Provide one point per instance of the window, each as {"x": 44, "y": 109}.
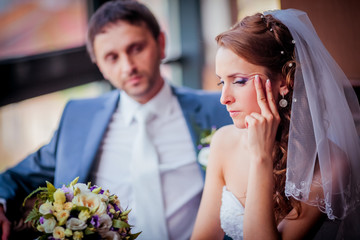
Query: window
{"x": 38, "y": 26}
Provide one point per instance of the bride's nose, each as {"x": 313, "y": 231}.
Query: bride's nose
{"x": 226, "y": 96}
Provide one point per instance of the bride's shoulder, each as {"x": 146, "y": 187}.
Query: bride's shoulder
{"x": 226, "y": 135}
{"x": 228, "y": 131}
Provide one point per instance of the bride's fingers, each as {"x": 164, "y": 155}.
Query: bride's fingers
{"x": 257, "y": 116}
{"x": 261, "y": 97}
{"x": 249, "y": 121}
{"x": 271, "y": 99}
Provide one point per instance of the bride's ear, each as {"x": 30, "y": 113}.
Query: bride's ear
{"x": 283, "y": 89}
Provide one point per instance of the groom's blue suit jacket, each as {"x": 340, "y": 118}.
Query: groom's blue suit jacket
{"x": 72, "y": 150}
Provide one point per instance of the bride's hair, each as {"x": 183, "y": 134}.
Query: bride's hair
{"x": 265, "y": 41}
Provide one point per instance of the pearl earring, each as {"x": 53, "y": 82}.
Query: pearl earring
{"x": 283, "y": 102}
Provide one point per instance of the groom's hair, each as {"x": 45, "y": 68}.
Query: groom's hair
{"x": 112, "y": 12}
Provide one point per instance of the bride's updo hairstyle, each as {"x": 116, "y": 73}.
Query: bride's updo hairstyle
{"x": 264, "y": 41}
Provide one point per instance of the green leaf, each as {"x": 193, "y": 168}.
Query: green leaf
{"x": 92, "y": 211}
{"x": 89, "y": 231}
{"x": 80, "y": 208}
{"x": 33, "y": 192}
{"x": 125, "y": 213}
{"x": 44, "y": 237}
{"x": 74, "y": 181}
{"x": 120, "y": 224}
{"x": 50, "y": 187}
{"x": 96, "y": 190}
{"x": 134, "y": 236}
{"x": 33, "y": 216}
{"x": 49, "y": 215}
{"x": 112, "y": 198}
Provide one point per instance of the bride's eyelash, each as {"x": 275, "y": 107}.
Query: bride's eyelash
{"x": 238, "y": 80}
{"x": 241, "y": 80}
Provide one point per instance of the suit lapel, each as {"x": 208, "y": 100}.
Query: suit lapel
{"x": 98, "y": 127}
{"x": 191, "y": 106}
{"x": 195, "y": 118}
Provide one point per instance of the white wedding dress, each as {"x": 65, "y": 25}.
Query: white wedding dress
{"x": 231, "y": 215}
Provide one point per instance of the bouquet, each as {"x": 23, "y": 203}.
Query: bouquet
{"x": 78, "y": 211}
{"x": 204, "y": 147}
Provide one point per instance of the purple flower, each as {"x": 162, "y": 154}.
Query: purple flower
{"x": 41, "y": 220}
{"x": 94, "y": 187}
{"x": 95, "y": 221}
{"x": 116, "y": 207}
{"x": 65, "y": 189}
{"x": 68, "y": 193}
{"x": 69, "y": 196}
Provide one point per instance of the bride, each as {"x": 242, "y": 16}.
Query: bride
{"x": 291, "y": 157}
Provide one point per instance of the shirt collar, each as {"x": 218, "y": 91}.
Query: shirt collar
{"x": 159, "y": 104}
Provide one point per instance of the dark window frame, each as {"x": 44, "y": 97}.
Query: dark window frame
{"x": 35, "y": 75}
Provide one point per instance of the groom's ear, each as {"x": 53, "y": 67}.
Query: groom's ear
{"x": 161, "y": 42}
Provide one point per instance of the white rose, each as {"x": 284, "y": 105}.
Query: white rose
{"x": 111, "y": 235}
{"x": 62, "y": 216}
{"x": 82, "y": 187}
{"x": 58, "y": 207}
{"x": 46, "y": 208}
{"x": 59, "y": 233}
{"x": 105, "y": 223}
{"x": 75, "y": 224}
{"x": 68, "y": 206}
{"x": 49, "y": 225}
{"x": 102, "y": 210}
{"x": 103, "y": 197}
{"x": 92, "y": 201}
{"x": 204, "y": 156}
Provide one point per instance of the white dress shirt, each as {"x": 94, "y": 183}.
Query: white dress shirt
{"x": 181, "y": 179}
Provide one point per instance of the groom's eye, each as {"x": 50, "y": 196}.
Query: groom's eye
{"x": 220, "y": 83}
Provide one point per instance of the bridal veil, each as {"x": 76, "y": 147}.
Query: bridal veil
{"x": 324, "y": 127}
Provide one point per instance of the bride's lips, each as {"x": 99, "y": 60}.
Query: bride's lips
{"x": 234, "y": 113}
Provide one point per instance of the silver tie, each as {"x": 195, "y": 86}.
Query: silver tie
{"x": 148, "y": 201}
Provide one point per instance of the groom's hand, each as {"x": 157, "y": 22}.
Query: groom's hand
{"x": 4, "y": 224}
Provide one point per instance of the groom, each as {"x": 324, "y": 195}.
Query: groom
{"x": 94, "y": 138}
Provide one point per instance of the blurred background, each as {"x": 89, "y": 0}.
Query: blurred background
{"x": 43, "y": 60}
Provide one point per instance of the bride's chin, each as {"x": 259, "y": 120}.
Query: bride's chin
{"x": 239, "y": 124}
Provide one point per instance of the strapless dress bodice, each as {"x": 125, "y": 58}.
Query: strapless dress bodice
{"x": 231, "y": 215}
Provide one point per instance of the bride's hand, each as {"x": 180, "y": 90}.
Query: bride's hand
{"x": 262, "y": 127}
